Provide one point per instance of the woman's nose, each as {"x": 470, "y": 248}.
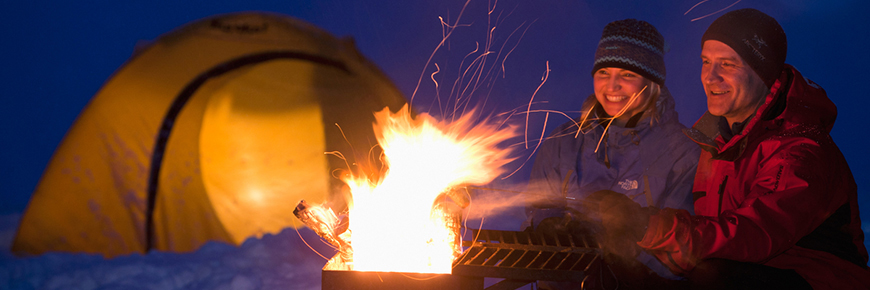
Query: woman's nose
{"x": 613, "y": 84}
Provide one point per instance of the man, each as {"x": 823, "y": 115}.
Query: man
{"x": 775, "y": 201}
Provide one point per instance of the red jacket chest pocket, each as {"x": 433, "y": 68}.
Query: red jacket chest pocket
{"x": 720, "y": 190}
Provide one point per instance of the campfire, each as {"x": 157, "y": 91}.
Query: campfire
{"x": 408, "y": 219}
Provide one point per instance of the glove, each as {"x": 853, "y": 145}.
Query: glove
{"x": 552, "y": 225}
{"x": 624, "y": 222}
{"x": 582, "y": 231}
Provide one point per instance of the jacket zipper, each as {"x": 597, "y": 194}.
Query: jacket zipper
{"x": 722, "y": 194}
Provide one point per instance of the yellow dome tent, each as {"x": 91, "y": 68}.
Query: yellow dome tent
{"x": 213, "y": 132}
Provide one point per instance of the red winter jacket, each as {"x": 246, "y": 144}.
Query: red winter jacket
{"x": 780, "y": 193}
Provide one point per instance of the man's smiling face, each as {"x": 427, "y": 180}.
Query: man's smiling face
{"x": 733, "y": 89}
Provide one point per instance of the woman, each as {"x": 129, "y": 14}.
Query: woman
{"x": 627, "y": 140}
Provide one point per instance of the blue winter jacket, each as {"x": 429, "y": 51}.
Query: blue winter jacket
{"x": 653, "y": 164}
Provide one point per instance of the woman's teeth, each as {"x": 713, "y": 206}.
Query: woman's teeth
{"x": 615, "y": 98}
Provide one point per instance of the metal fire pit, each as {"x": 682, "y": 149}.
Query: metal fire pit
{"x": 359, "y": 280}
{"x": 519, "y": 258}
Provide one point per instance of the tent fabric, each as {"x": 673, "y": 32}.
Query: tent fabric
{"x": 240, "y": 152}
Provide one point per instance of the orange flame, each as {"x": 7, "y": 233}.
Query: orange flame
{"x": 392, "y": 224}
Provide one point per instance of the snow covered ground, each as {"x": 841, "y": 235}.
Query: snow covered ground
{"x": 280, "y": 261}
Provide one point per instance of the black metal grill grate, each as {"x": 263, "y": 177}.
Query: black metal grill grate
{"x": 527, "y": 256}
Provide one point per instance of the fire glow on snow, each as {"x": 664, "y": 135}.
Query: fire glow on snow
{"x": 392, "y": 222}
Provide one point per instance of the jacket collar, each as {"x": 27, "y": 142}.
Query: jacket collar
{"x": 706, "y": 131}
{"x": 604, "y": 118}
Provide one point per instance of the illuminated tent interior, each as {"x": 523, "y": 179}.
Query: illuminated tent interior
{"x": 212, "y": 132}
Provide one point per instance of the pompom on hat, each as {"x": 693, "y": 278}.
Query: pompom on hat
{"x": 756, "y": 37}
{"x": 634, "y": 45}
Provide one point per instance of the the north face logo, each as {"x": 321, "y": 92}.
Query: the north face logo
{"x": 628, "y": 184}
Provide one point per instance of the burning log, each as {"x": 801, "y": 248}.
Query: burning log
{"x": 323, "y": 221}
{"x": 448, "y": 209}
{"x": 457, "y": 197}
{"x": 328, "y": 225}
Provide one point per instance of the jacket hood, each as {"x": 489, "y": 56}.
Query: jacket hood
{"x": 807, "y": 103}
{"x": 665, "y": 105}
{"x": 794, "y": 101}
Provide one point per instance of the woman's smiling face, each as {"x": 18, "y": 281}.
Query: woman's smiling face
{"x": 615, "y": 87}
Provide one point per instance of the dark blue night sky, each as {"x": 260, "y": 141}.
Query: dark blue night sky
{"x": 56, "y": 56}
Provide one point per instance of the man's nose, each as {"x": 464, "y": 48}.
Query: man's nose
{"x": 710, "y": 75}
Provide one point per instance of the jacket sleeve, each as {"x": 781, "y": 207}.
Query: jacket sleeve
{"x": 788, "y": 198}
{"x": 553, "y": 168}
{"x": 681, "y": 180}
